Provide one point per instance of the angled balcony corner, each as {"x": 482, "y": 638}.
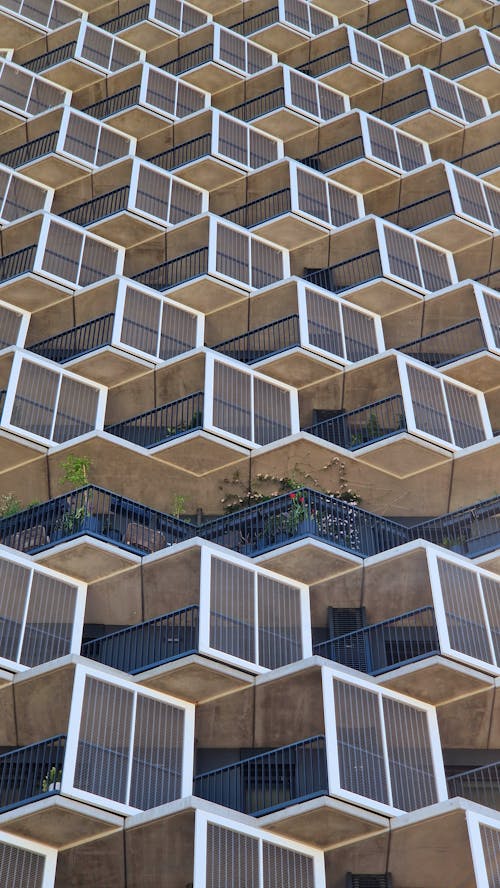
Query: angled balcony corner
{"x": 280, "y": 26}
{"x": 410, "y": 25}
{"x": 14, "y": 324}
{"x": 471, "y": 58}
{"x": 25, "y": 95}
{"x": 152, "y": 24}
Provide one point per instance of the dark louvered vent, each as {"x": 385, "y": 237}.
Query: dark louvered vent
{"x": 342, "y": 620}
{"x": 368, "y": 880}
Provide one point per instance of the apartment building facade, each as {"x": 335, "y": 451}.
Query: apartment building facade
{"x": 249, "y": 461}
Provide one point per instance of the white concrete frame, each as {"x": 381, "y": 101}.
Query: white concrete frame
{"x": 403, "y": 363}
{"x": 177, "y": 85}
{"x": 382, "y": 75}
{"x": 302, "y": 287}
{"x": 217, "y": 151}
{"x": 99, "y": 126}
{"x": 400, "y": 135}
{"x": 17, "y": 558}
{"x": 435, "y": 106}
{"x": 24, "y": 317}
{"x": 22, "y": 14}
{"x": 318, "y": 88}
{"x": 137, "y": 164}
{"x": 474, "y": 821}
{"x": 294, "y": 166}
{"x": 50, "y": 219}
{"x": 46, "y": 851}
{"x": 479, "y": 292}
{"x": 112, "y": 677}
{"x": 413, "y": 14}
{"x": 487, "y": 39}
{"x": 43, "y": 189}
{"x": 381, "y": 226}
{"x": 208, "y": 552}
{"x": 484, "y": 187}
{"x": 328, "y": 675}
{"x": 214, "y": 224}
{"x": 220, "y": 29}
{"x": 24, "y": 74}
{"x": 79, "y": 54}
{"x": 30, "y": 357}
{"x": 170, "y": 28}
{"x": 202, "y": 819}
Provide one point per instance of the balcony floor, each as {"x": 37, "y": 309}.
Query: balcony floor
{"x": 60, "y": 822}
{"x": 87, "y": 559}
{"x": 195, "y": 678}
{"x": 436, "y": 680}
{"x": 54, "y": 171}
{"x": 109, "y": 366}
{"x": 325, "y": 822}
{"x": 403, "y": 455}
{"x": 309, "y": 561}
{"x": 454, "y": 234}
{"x": 298, "y": 367}
{"x": 363, "y": 175}
{"x": 209, "y": 173}
{"x": 481, "y": 371}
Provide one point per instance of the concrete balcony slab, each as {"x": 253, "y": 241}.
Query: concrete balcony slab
{"x": 309, "y": 561}
{"x": 88, "y": 559}
{"x": 325, "y": 823}
{"x": 195, "y": 678}
{"x": 60, "y": 822}
{"x": 436, "y": 680}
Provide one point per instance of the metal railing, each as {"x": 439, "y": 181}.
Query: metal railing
{"x": 78, "y": 341}
{"x": 350, "y": 273}
{"x": 99, "y": 513}
{"x": 457, "y": 341}
{"x": 14, "y": 264}
{"x": 386, "y": 645}
{"x": 387, "y": 23}
{"x": 305, "y": 513}
{"x": 331, "y": 158}
{"x": 263, "y": 341}
{"x": 422, "y": 212}
{"x": 149, "y": 644}
{"x": 99, "y": 207}
{"x": 185, "y": 153}
{"x": 32, "y": 772}
{"x": 263, "y": 104}
{"x": 112, "y": 105}
{"x": 49, "y": 59}
{"x": 126, "y": 19}
{"x": 453, "y": 68}
{"x": 473, "y": 530}
{"x": 269, "y": 781}
{"x": 190, "y": 60}
{"x": 29, "y": 151}
{"x": 480, "y": 785}
{"x": 175, "y": 271}
{"x": 405, "y": 106}
{"x": 329, "y": 61}
{"x": 256, "y": 22}
{"x": 491, "y": 279}
{"x": 155, "y": 427}
{"x": 482, "y": 160}
{"x": 262, "y": 209}
{"x": 357, "y": 428}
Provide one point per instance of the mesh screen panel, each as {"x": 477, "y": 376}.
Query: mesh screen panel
{"x": 435, "y": 269}
{"x": 43, "y": 96}
{"x": 446, "y": 95}
{"x": 343, "y": 205}
{"x": 233, "y": 140}
{"x": 383, "y": 142}
{"x": 284, "y": 867}
{"x": 232, "y": 257}
{"x": 402, "y": 253}
{"x": 62, "y": 252}
{"x": 324, "y": 326}
{"x": 10, "y": 324}
{"x": 232, "y": 859}
{"x": 184, "y": 202}
{"x": 428, "y": 404}
{"x": 98, "y": 262}
{"x": 233, "y": 50}
{"x": 359, "y": 741}
{"x": 492, "y": 196}
{"x": 368, "y": 52}
{"x": 232, "y": 611}
{"x": 465, "y": 415}
{"x": 178, "y": 332}
{"x": 490, "y": 838}
{"x": 111, "y": 146}
{"x": 471, "y": 197}
{"x": 97, "y": 47}
{"x": 412, "y": 153}
{"x": 20, "y": 868}
{"x": 464, "y": 613}
{"x": 312, "y": 195}
{"x": 410, "y": 761}
{"x": 303, "y": 93}
{"x": 81, "y": 137}
{"x": 494, "y": 44}
{"x": 272, "y": 419}
{"x": 153, "y": 193}
{"x": 472, "y": 105}
{"x": 49, "y": 622}
{"x": 141, "y": 321}
{"x": 266, "y": 264}
{"x": 35, "y": 399}
{"x": 491, "y": 593}
{"x": 280, "y": 639}
{"x": 492, "y": 304}
{"x": 447, "y": 23}
{"x": 157, "y": 753}
{"x": 232, "y": 400}
{"x": 76, "y": 410}
{"x": 360, "y": 334}
{"x": 19, "y": 197}
{"x": 14, "y": 581}
{"x": 262, "y": 149}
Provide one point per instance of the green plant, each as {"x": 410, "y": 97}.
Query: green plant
{"x": 53, "y": 775}
{"x": 178, "y": 505}
{"x": 76, "y": 470}
{"x": 9, "y": 505}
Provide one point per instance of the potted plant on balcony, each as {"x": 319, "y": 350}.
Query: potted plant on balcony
{"x": 52, "y": 779}
{"x": 78, "y": 516}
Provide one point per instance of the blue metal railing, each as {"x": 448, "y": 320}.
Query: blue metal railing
{"x": 403, "y": 107}
{"x": 386, "y": 23}
{"x": 454, "y": 68}
{"x": 350, "y": 273}
{"x": 269, "y": 781}
{"x": 126, "y": 19}
{"x": 263, "y": 341}
{"x": 49, "y": 59}
{"x": 357, "y": 428}
{"x": 78, "y": 341}
{"x": 479, "y": 161}
{"x": 327, "y": 62}
{"x": 457, "y": 341}
{"x": 490, "y": 279}
{"x": 98, "y": 512}
{"x": 254, "y": 23}
{"x": 386, "y": 645}
{"x": 175, "y": 271}
{"x": 189, "y": 60}
{"x": 422, "y": 212}
{"x": 472, "y": 530}
{"x": 149, "y": 644}
{"x": 185, "y": 153}
{"x": 263, "y": 104}
{"x": 331, "y": 158}
{"x": 262, "y": 209}
{"x": 14, "y": 264}
{"x": 112, "y": 105}
{"x": 99, "y": 207}
{"x": 29, "y": 151}
{"x": 480, "y": 785}
{"x": 163, "y": 423}
{"x": 32, "y": 772}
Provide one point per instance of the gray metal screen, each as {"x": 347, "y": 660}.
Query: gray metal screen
{"x": 272, "y": 419}
{"x": 232, "y": 257}
{"x": 359, "y": 741}
{"x": 428, "y": 404}
{"x": 49, "y": 620}
{"x": 20, "y": 868}
{"x": 232, "y": 859}
{"x": 14, "y": 580}
{"x": 232, "y": 610}
{"x": 411, "y": 768}
{"x": 280, "y": 636}
{"x": 491, "y": 592}
{"x": 157, "y": 753}
{"x": 141, "y": 321}
{"x": 35, "y": 399}
{"x": 465, "y": 415}
{"x": 284, "y": 867}
{"x": 465, "y": 617}
{"x": 18, "y": 197}
{"x": 323, "y": 323}
{"x": 232, "y": 410}
{"x": 10, "y": 325}
{"x": 492, "y": 304}
{"x": 76, "y": 410}
{"x": 266, "y": 264}
{"x": 490, "y": 838}
{"x": 402, "y": 252}
{"x": 359, "y": 333}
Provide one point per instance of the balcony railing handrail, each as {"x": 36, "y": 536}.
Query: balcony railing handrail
{"x": 125, "y": 19}
{"x": 470, "y": 154}
{"x": 26, "y": 772}
{"x": 480, "y": 785}
{"x": 194, "y": 258}
{"x": 475, "y": 323}
{"x": 28, "y": 151}
{"x": 102, "y": 325}
{"x": 398, "y": 12}
{"x": 204, "y": 140}
{"x": 183, "y": 63}
{"x": 377, "y": 112}
{"x": 372, "y": 429}
{"x": 323, "y": 277}
{"x": 267, "y": 15}
{"x": 261, "y": 102}
{"x": 280, "y": 201}
{"x": 18, "y": 262}
{"x": 98, "y": 208}
{"x": 290, "y": 322}
{"x": 51, "y": 58}
{"x": 454, "y": 529}
{"x": 312, "y": 159}
{"x": 173, "y": 411}
{"x": 342, "y": 51}
{"x": 122, "y": 100}
{"x": 394, "y": 215}
{"x": 465, "y": 55}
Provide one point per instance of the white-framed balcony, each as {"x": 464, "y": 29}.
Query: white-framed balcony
{"x": 410, "y": 25}
{"x": 417, "y": 421}
{"x": 221, "y": 848}
{"x": 347, "y": 60}
{"x": 227, "y": 619}
{"x": 151, "y": 24}
{"x": 468, "y": 350}
{"x": 212, "y": 149}
{"x": 358, "y": 744}
{"x": 289, "y": 204}
{"x": 14, "y": 325}
{"x": 123, "y": 749}
{"x": 22, "y": 21}
{"x": 44, "y": 406}
{"x": 283, "y": 102}
{"x": 143, "y": 99}
{"x": 395, "y": 270}
{"x": 213, "y": 58}
{"x": 458, "y": 210}
{"x": 138, "y": 330}
{"x": 56, "y": 257}
{"x": 224, "y": 264}
{"x": 27, "y": 863}
{"x": 77, "y": 55}
{"x": 473, "y": 60}
{"x": 478, "y": 152}
{"x": 226, "y": 407}
{"x": 364, "y": 153}
{"x": 64, "y": 145}
{"x": 131, "y": 202}
{"x": 41, "y": 610}
{"x": 279, "y": 27}
{"x": 425, "y": 104}
{"x": 318, "y": 337}
{"x": 484, "y": 837}
{"x": 20, "y": 196}
{"x": 24, "y": 95}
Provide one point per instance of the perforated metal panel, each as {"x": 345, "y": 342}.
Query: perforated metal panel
{"x": 465, "y": 616}
{"x": 492, "y": 304}
{"x": 284, "y": 867}
{"x": 491, "y": 593}
{"x": 428, "y": 404}
{"x": 457, "y": 100}
{"x": 402, "y": 252}
{"x": 35, "y": 399}
{"x": 18, "y": 197}
{"x": 98, "y": 261}
{"x": 26, "y": 92}
{"x": 465, "y": 415}
{"x": 359, "y": 740}
{"x": 173, "y": 97}
{"x": 14, "y": 584}
{"x": 477, "y": 199}
{"x": 10, "y": 325}
{"x": 411, "y": 768}
{"x": 490, "y": 838}
{"x": 20, "y": 868}
{"x": 266, "y": 264}
{"x": 76, "y": 410}
{"x": 232, "y": 610}
{"x": 232, "y": 258}
{"x": 272, "y": 417}
{"x": 280, "y": 637}
{"x": 232, "y": 409}
{"x": 232, "y": 859}
{"x": 49, "y": 620}
{"x": 359, "y": 333}
{"x": 157, "y": 754}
